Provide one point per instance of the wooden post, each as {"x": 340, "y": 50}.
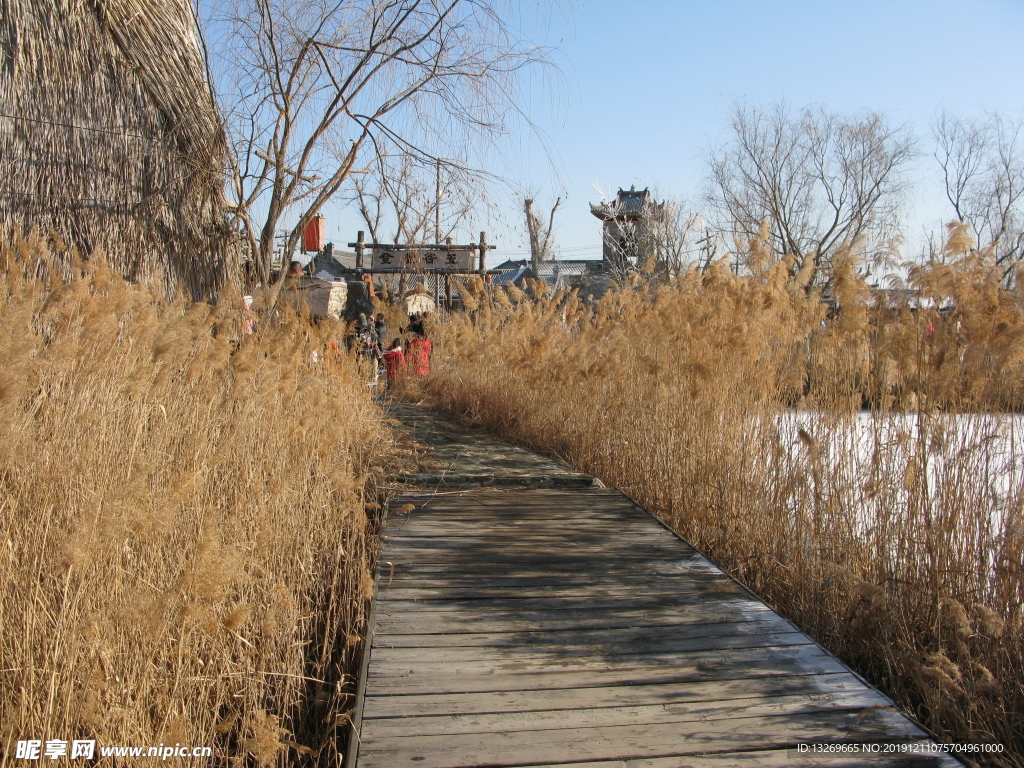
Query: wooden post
{"x": 483, "y": 253}
{"x": 448, "y": 281}
{"x": 360, "y": 240}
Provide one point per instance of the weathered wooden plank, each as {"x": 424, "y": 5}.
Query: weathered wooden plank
{"x": 914, "y": 757}
{"x": 516, "y": 505}
{"x": 544, "y": 527}
{"x": 529, "y": 747}
{"x": 512, "y": 581}
{"x": 508, "y": 563}
{"x": 665, "y": 649}
{"x": 506, "y": 559}
{"x": 509, "y": 585}
{"x": 582, "y": 638}
{"x": 510, "y": 547}
{"x": 542, "y": 521}
{"x": 710, "y": 589}
{"x": 663, "y": 694}
{"x": 535, "y": 558}
{"x": 724, "y": 593}
{"x": 391, "y": 569}
{"x": 540, "y": 504}
{"x": 693, "y": 653}
{"x": 571, "y": 511}
{"x": 523, "y": 522}
{"x": 667, "y": 583}
{"x": 664, "y": 574}
{"x": 470, "y": 499}
{"x": 477, "y": 678}
{"x": 396, "y": 620}
{"x": 500, "y": 555}
{"x": 705, "y": 586}
{"x": 582, "y": 542}
{"x": 543, "y": 587}
{"x": 606, "y": 717}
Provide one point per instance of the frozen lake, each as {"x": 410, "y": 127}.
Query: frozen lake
{"x": 944, "y": 481}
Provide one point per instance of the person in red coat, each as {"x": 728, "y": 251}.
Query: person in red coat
{"x": 419, "y": 349}
{"x": 394, "y": 361}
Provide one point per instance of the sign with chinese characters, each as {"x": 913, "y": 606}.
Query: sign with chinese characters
{"x": 412, "y": 259}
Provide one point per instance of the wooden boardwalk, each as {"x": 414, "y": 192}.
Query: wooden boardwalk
{"x": 550, "y": 626}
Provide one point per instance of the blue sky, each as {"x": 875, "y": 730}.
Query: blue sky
{"x": 648, "y": 85}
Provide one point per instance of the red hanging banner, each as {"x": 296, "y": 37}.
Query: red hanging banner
{"x": 313, "y": 235}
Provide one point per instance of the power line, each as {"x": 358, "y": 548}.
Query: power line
{"x": 119, "y": 134}
{"x": 78, "y": 200}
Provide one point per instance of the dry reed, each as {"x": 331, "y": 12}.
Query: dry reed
{"x": 184, "y": 539}
{"x": 732, "y": 406}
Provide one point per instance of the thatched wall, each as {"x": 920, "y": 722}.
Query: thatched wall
{"x": 109, "y": 136}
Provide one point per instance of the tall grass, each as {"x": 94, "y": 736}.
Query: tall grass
{"x": 732, "y": 406}
{"x": 184, "y": 539}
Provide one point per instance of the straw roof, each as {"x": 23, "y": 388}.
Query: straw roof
{"x": 109, "y": 136}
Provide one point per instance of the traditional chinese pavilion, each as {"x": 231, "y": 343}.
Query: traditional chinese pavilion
{"x": 630, "y": 227}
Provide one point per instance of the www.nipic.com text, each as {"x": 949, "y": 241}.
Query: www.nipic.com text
{"x": 36, "y": 749}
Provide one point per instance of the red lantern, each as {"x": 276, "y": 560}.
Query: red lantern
{"x": 313, "y": 235}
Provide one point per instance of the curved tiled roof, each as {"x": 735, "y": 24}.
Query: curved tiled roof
{"x": 632, "y": 204}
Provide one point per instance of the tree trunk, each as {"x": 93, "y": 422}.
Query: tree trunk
{"x": 539, "y": 240}
{"x": 533, "y": 227}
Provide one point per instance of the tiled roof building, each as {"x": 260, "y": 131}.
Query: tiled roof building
{"x": 558, "y": 274}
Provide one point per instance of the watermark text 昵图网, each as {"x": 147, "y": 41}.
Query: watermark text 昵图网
{"x": 53, "y": 749}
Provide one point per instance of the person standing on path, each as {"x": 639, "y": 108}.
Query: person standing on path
{"x": 394, "y": 362}
{"x": 419, "y": 349}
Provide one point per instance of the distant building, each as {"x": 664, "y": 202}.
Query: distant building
{"x": 330, "y": 264}
{"x": 557, "y": 274}
{"x": 629, "y": 234}
{"x": 340, "y": 267}
{"x": 420, "y": 300}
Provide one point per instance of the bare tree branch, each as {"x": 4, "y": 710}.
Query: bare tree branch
{"x": 540, "y": 236}
{"x": 311, "y": 86}
{"x": 822, "y": 182}
{"x": 983, "y": 167}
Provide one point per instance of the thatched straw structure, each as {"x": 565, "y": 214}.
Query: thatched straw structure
{"x": 110, "y": 138}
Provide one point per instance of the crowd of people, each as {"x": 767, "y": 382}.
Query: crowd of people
{"x": 407, "y": 353}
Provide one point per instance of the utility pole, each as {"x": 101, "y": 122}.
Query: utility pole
{"x": 437, "y": 228}
{"x": 437, "y": 205}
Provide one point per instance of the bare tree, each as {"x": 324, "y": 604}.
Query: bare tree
{"x": 393, "y": 198}
{"x": 822, "y": 181}
{"x": 313, "y": 88}
{"x": 983, "y": 168}
{"x": 684, "y": 238}
{"x": 540, "y": 235}
{"x": 403, "y": 199}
